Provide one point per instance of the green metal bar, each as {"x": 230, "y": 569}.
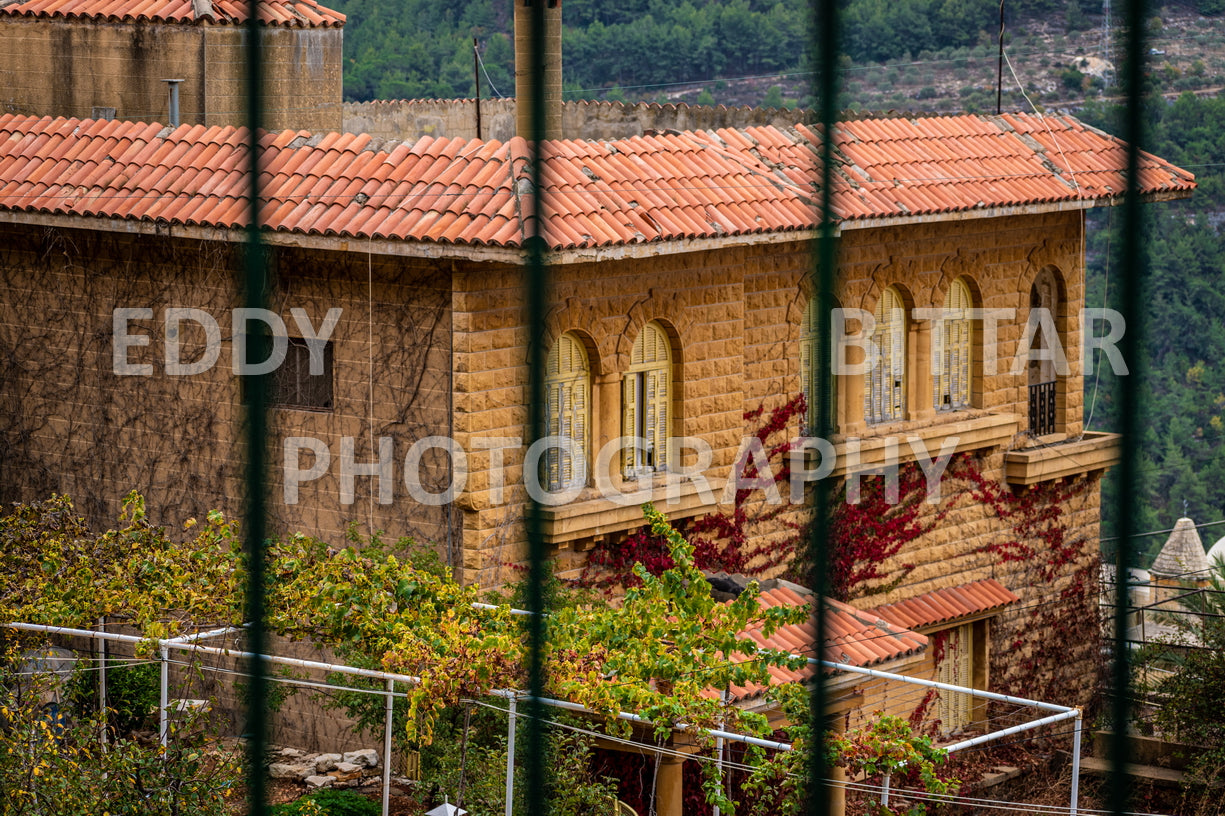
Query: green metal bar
{"x": 255, "y": 395}
{"x": 536, "y": 284}
{"x": 826, "y": 45}
{"x": 1130, "y": 306}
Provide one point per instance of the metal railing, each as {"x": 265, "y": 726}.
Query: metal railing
{"x": 1042, "y": 408}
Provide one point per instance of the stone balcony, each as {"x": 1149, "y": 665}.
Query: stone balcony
{"x": 1054, "y": 458}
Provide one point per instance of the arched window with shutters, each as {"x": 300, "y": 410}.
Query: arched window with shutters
{"x": 952, "y": 350}
{"x": 885, "y": 396}
{"x": 567, "y": 392}
{"x": 646, "y": 393}
{"x": 811, "y": 351}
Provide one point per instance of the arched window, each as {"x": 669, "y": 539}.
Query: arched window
{"x": 808, "y": 363}
{"x": 1045, "y": 358}
{"x": 884, "y": 400}
{"x": 646, "y": 392}
{"x": 567, "y": 386}
{"x": 952, "y": 350}
{"x": 811, "y": 352}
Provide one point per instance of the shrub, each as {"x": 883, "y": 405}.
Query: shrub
{"x": 329, "y": 803}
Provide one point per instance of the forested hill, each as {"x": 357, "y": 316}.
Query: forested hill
{"x": 396, "y": 49}
{"x": 1182, "y": 450}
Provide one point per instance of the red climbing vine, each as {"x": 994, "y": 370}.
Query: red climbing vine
{"x": 744, "y": 540}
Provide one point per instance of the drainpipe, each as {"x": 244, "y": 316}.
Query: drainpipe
{"x": 174, "y": 100}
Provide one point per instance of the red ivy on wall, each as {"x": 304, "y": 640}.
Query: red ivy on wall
{"x": 731, "y": 542}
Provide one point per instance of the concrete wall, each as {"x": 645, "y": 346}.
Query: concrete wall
{"x": 69, "y": 67}
{"x": 451, "y": 118}
{"x": 70, "y": 424}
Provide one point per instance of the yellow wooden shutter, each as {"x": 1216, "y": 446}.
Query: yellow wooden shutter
{"x": 629, "y": 420}
{"x": 646, "y": 392}
{"x": 954, "y": 350}
{"x": 885, "y": 396}
{"x": 807, "y": 368}
{"x": 956, "y": 668}
{"x": 567, "y": 382}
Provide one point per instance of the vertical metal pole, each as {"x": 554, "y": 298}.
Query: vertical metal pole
{"x": 510, "y": 757}
{"x": 536, "y": 768}
{"x": 102, "y": 680}
{"x": 163, "y": 717}
{"x": 387, "y": 729}
{"x": 1075, "y": 803}
{"x": 999, "y": 71}
{"x": 255, "y": 402}
{"x": 1131, "y": 298}
{"x": 826, "y": 43}
{"x": 476, "y": 73}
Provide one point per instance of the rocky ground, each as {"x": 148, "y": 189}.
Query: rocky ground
{"x": 1055, "y": 70}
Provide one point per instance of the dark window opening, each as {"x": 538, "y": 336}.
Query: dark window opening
{"x": 294, "y": 384}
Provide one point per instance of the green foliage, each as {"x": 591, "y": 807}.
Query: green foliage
{"x": 329, "y": 803}
{"x": 1182, "y": 368}
{"x": 706, "y": 97}
{"x": 132, "y": 694}
{"x": 60, "y": 768}
{"x": 887, "y": 745}
{"x": 1192, "y": 697}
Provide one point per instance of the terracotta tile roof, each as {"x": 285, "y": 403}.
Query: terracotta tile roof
{"x": 288, "y": 13}
{"x": 852, "y": 636}
{"x": 698, "y": 184}
{"x": 944, "y": 605}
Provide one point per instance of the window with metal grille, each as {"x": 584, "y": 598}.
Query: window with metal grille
{"x": 645, "y": 393}
{"x": 295, "y": 385}
{"x": 567, "y": 389}
{"x": 952, "y": 350}
{"x": 885, "y": 395}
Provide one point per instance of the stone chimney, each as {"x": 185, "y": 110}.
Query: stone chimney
{"x": 551, "y": 84}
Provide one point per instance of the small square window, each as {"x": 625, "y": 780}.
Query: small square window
{"x": 295, "y": 386}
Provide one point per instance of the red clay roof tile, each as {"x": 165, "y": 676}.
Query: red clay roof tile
{"x": 944, "y": 605}
{"x": 696, "y": 184}
{"x": 289, "y": 13}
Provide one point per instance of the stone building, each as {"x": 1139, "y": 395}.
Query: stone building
{"x": 95, "y": 59}
{"x": 681, "y": 302}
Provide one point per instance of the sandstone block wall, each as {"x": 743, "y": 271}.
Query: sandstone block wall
{"x": 70, "y": 67}
{"x": 71, "y": 425}
{"x": 410, "y": 119}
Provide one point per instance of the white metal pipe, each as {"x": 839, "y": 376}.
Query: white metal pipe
{"x": 387, "y": 730}
{"x": 1015, "y": 729}
{"x": 985, "y": 695}
{"x": 164, "y": 697}
{"x": 67, "y": 630}
{"x": 1075, "y": 803}
{"x": 102, "y": 680}
{"x": 625, "y": 715}
{"x": 302, "y": 664}
{"x": 192, "y": 638}
{"x": 510, "y": 755}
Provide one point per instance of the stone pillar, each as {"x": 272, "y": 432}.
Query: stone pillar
{"x": 669, "y": 787}
{"x": 919, "y": 399}
{"x": 551, "y": 60}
